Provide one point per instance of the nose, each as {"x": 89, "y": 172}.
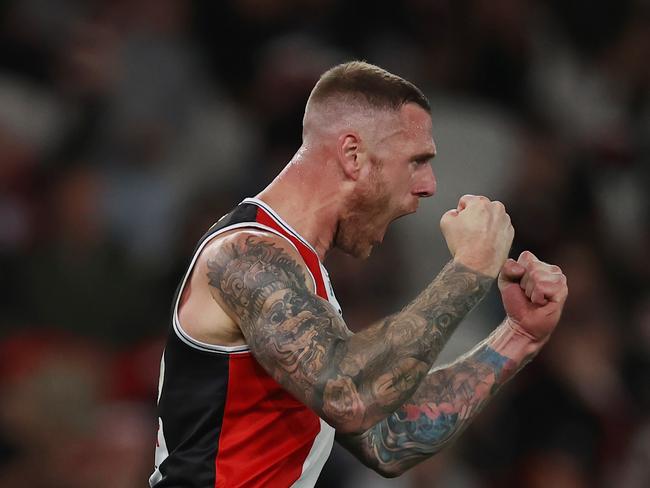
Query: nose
{"x": 425, "y": 182}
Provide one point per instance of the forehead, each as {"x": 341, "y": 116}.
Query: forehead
{"x": 411, "y": 126}
{"x": 415, "y": 121}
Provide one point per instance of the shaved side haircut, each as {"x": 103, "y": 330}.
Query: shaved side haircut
{"x": 367, "y": 84}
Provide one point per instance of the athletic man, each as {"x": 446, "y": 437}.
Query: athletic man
{"x": 260, "y": 370}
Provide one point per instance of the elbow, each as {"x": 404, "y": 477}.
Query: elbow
{"x": 346, "y": 421}
{"x": 350, "y": 421}
{"x": 343, "y": 408}
{"x": 397, "y": 467}
{"x": 389, "y": 472}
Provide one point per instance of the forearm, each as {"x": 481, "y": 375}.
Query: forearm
{"x": 381, "y": 367}
{"x": 444, "y": 404}
{"x": 436, "y": 312}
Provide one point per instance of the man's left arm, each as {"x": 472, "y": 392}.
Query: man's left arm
{"x": 450, "y": 397}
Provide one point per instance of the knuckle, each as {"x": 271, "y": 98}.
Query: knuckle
{"x": 553, "y": 278}
{"x": 547, "y": 286}
{"x": 446, "y": 219}
{"x": 540, "y": 288}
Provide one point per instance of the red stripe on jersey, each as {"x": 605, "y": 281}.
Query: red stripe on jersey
{"x": 260, "y": 413}
{"x": 307, "y": 254}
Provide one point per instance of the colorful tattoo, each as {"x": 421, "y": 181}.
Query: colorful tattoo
{"x": 441, "y": 408}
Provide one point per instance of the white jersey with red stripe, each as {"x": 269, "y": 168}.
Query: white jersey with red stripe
{"x": 222, "y": 420}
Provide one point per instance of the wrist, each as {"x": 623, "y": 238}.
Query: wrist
{"x": 518, "y": 329}
{"x": 512, "y": 341}
{"x": 477, "y": 265}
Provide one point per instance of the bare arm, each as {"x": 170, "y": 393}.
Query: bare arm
{"x": 351, "y": 380}
{"x": 443, "y": 406}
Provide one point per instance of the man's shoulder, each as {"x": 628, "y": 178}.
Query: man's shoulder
{"x": 245, "y": 251}
{"x": 249, "y": 241}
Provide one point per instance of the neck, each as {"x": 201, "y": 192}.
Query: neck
{"x": 307, "y": 195}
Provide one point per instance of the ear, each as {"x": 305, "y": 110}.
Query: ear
{"x": 348, "y": 149}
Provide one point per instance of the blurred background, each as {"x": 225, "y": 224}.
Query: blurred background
{"x": 128, "y": 127}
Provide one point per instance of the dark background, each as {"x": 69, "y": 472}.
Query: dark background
{"x": 128, "y": 127}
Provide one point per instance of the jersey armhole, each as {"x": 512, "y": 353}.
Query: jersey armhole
{"x": 178, "y": 328}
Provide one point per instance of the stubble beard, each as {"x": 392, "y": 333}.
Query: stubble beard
{"x": 366, "y": 211}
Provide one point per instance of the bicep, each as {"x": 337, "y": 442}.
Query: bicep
{"x": 292, "y": 332}
{"x": 296, "y": 336}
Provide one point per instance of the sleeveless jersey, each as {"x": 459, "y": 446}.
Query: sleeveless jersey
{"x": 222, "y": 420}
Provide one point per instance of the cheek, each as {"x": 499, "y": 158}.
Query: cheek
{"x": 400, "y": 187}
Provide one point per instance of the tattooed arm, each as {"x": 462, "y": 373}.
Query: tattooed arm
{"x": 533, "y": 294}
{"x": 444, "y": 404}
{"x": 351, "y": 380}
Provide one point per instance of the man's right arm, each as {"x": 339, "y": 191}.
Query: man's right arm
{"x": 351, "y": 380}
{"x": 450, "y": 397}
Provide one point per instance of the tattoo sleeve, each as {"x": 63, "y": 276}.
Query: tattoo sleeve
{"x": 444, "y": 404}
{"x": 351, "y": 380}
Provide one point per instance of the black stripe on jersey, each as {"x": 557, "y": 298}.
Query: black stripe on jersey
{"x": 244, "y": 212}
{"x": 193, "y": 394}
{"x": 192, "y": 407}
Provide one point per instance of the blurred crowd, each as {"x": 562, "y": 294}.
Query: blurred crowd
{"x": 128, "y": 127}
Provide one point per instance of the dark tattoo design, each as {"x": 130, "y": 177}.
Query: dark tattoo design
{"x": 442, "y": 407}
{"x": 351, "y": 380}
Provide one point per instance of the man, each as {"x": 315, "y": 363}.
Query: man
{"x": 260, "y": 370}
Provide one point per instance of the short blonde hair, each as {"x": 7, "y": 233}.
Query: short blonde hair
{"x": 368, "y": 84}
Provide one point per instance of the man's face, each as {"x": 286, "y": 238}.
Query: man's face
{"x": 396, "y": 175}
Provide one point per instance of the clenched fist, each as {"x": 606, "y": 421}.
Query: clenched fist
{"x": 533, "y": 294}
{"x": 478, "y": 233}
